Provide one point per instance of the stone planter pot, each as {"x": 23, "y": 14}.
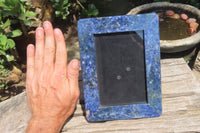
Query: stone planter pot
{"x": 172, "y": 46}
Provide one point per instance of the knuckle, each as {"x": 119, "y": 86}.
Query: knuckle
{"x": 53, "y": 84}
{"x": 73, "y": 74}
{"x": 50, "y": 51}
{"x": 75, "y": 97}
{"x": 77, "y": 94}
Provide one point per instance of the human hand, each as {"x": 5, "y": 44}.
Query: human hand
{"x": 52, "y": 87}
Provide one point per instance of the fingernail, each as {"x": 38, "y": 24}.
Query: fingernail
{"x": 30, "y": 50}
{"x": 46, "y": 25}
{"x": 57, "y": 31}
{"x": 30, "y": 47}
{"x": 39, "y": 31}
{"x": 75, "y": 64}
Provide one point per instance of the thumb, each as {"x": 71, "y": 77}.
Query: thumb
{"x": 72, "y": 75}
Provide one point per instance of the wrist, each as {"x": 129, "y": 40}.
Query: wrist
{"x": 50, "y": 125}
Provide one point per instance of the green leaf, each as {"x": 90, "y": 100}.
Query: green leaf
{"x": 187, "y": 59}
{"x": 14, "y": 33}
{"x": 57, "y": 12}
{"x": 67, "y": 12}
{"x": 30, "y": 14}
{"x": 2, "y": 4}
{"x": 92, "y": 11}
{"x": 28, "y": 22}
{"x": 6, "y": 24}
{"x": 23, "y": 0}
{"x": 22, "y": 12}
{"x": 10, "y": 43}
{"x": 3, "y": 41}
{"x": 2, "y": 52}
{"x": 28, "y": 7}
{"x": 65, "y": 2}
{"x": 64, "y": 17}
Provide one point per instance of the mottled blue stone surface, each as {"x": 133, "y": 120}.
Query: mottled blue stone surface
{"x": 149, "y": 24}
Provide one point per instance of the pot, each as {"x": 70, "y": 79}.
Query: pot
{"x": 172, "y": 46}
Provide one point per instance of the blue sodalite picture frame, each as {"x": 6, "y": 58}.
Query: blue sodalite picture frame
{"x": 149, "y": 24}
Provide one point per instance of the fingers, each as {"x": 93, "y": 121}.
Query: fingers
{"x": 39, "y": 54}
{"x": 30, "y": 63}
{"x": 72, "y": 74}
{"x": 61, "y": 53}
{"x": 49, "y": 52}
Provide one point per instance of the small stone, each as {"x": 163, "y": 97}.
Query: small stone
{"x": 184, "y": 16}
{"x": 192, "y": 31}
{"x": 16, "y": 70}
{"x": 13, "y": 78}
{"x": 38, "y": 10}
{"x": 194, "y": 25}
{"x": 191, "y": 20}
{"x": 169, "y": 13}
{"x": 175, "y": 16}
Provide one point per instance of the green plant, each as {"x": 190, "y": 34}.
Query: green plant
{"x": 64, "y": 8}
{"x": 187, "y": 59}
{"x": 4, "y": 72}
{"x": 18, "y": 12}
{"x": 61, "y": 8}
{"x": 91, "y": 9}
{"x": 3, "y": 84}
{"x": 6, "y": 43}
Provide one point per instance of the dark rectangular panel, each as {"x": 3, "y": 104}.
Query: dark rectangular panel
{"x": 120, "y": 63}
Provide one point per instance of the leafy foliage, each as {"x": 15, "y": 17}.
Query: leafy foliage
{"x": 91, "y": 11}
{"x": 63, "y": 8}
{"x": 12, "y": 12}
{"x": 18, "y": 10}
{"x": 187, "y": 59}
{"x": 6, "y": 41}
{"x": 4, "y": 72}
{"x": 6, "y": 44}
